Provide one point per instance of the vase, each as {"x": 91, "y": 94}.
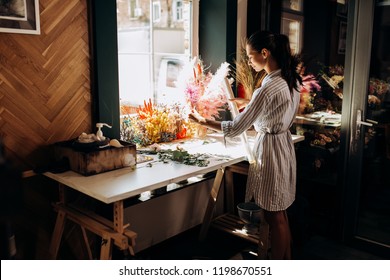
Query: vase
{"x": 201, "y": 131}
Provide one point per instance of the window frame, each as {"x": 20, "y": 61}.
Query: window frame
{"x": 156, "y": 6}
{"x": 102, "y": 17}
{"x": 293, "y": 15}
{"x": 175, "y": 10}
{"x": 294, "y": 18}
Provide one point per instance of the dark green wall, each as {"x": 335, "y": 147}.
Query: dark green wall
{"x": 104, "y": 64}
{"x": 316, "y": 33}
{"x": 217, "y": 32}
{"x": 321, "y": 34}
{"x": 263, "y": 15}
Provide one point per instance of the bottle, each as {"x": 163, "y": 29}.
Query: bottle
{"x": 99, "y": 132}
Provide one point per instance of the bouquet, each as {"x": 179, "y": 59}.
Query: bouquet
{"x": 204, "y": 91}
{"x": 156, "y": 123}
{"x": 308, "y": 91}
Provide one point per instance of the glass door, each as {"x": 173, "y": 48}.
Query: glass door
{"x": 367, "y": 176}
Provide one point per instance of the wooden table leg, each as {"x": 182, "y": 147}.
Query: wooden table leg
{"x": 211, "y": 204}
{"x": 106, "y": 248}
{"x": 59, "y": 226}
{"x": 118, "y": 216}
{"x": 121, "y": 228}
{"x": 112, "y": 233}
{"x": 57, "y": 234}
{"x": 86, "y": 242}
{"x": 229, "y": 188}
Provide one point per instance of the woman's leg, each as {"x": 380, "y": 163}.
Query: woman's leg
{"x": 280, "y": 234}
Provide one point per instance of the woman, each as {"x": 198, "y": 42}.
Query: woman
{"x": 271, "y": 110}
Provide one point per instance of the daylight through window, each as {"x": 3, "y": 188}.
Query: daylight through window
{"x": 154, "y": 41}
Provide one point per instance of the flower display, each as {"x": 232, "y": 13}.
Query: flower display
{"x": 326, "y": 139}
{"x": 308, "y": 90}
{"x": 335, "y": 81}
{"x": 326, "y": 90}
{"x": 376, "y": 91}
{"x": 204, "y": 91}
{"x": 156, "y": 123}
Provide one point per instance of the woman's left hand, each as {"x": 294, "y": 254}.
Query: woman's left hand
{"x": 240, "y": 102}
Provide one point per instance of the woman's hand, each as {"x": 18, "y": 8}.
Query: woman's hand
{"x": 192, "y": 118}
{"x": 196, "y": 117}
{"x": 240, "y": 102}
{"x": 212, "y": 124}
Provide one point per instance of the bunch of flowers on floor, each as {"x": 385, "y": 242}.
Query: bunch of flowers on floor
{"x": 156, "y": 123}
{"x": 204, "y": 92}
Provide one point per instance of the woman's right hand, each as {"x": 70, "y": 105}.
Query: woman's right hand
{"x": 196, "y": 117}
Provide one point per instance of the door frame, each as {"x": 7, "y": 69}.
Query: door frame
{"x": 356, "y": 78}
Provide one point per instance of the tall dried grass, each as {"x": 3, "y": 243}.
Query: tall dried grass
{"x": 245, "y": 75}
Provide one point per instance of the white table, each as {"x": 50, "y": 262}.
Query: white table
{"x": 115, "y": 186}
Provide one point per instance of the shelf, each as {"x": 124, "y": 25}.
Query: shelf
{"x": 326, "y": 120}
{"x": 232, "y": 224}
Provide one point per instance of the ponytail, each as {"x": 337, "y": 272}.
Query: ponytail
{"x": 279, "y": 46}
{"x": 287, "y": 62}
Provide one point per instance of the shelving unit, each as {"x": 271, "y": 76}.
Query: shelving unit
{"x": 229, "y": 222}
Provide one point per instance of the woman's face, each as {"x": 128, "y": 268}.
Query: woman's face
{"x": 255, "y": 59}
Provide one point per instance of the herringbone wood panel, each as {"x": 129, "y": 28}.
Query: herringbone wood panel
{"x": 45, "y": 82}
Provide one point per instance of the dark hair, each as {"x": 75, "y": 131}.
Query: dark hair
{"x": 279, "y": 46}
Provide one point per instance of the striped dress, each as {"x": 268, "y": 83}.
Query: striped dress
{"x": 272, "y": 109}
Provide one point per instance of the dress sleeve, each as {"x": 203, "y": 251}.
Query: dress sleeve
{"x": 247, "y": 118}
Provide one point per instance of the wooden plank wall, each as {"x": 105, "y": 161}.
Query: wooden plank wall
{"x": 45, "y": 94}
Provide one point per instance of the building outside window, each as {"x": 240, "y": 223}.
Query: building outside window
{"x": 156, "y": 14}
{"x": 178, "y": 10}
{"x": 155, "y": 38}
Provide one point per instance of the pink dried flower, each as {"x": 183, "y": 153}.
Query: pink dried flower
{"x": 203, "y": 90}
{"x": 310, "y": 84}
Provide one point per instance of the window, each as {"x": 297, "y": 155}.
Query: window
{"x": 133, "y": 11}
{"x": 178, "y": 10}
{"x": 292, "y": 27}
{"x": 156, "y": 13}
{"x": 292, "y": 23}
{"x": 293, "y": 5}
{"x": 152, "y": 47}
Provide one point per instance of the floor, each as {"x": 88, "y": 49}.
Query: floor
{"x": 33, "y": 242}
{"x": 222, "y": 246}
{"x": 312, "y": 241}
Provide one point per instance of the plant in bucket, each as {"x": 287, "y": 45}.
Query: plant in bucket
{"x": 251, "y": 214}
